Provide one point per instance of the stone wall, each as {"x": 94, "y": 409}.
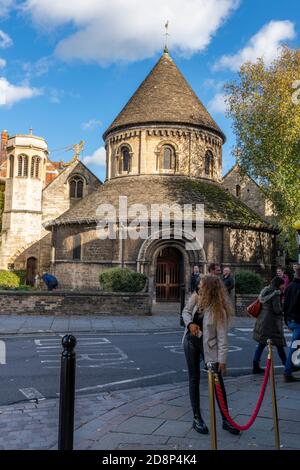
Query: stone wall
{"x": 250, "y": 193}
{"x": 242, "y": 302}
{"x": 145, "y": 143}
{"x": 72, "y": 303}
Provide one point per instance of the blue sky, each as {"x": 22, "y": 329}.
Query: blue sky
{"x": 67, "y": 68}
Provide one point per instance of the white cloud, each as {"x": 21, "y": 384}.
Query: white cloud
{"x": 11, "y": 94}
{"x": 266, "y": 44}
{"x": 107, "y": 32}
{"x": 218, "y": 104}
{"x": 5, "y": 6}
{"x": 97, "y": 158}
{"x": 91, "y": 125}
{"x": 2, "y": 63}
{"x": 5, "y": 40}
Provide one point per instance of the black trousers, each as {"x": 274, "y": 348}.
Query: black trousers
{"x": 193, "y": 349}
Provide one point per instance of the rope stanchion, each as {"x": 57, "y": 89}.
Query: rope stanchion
{"x": 274, "y": 399}
{"x": 212, "y": 405}
{"x": 258, "y": 405}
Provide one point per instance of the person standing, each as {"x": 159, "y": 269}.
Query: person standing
{"x": 206, "y": 318}
{"x": 228, "y": 280}
{"x": 214, "y": 269}
{"x": 195, "y": 279}
{"x": 292, "y": 319}
{"x": 269, "y": 324}
{"x": 280, "y": 273}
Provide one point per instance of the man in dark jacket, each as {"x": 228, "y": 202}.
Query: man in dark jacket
{"x": 228, "y": 280}
{"x": 195, "y": 279}
{"x": 292, "y": 319}
{"x": 50, "y": 281}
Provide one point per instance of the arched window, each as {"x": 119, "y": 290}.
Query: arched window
{"x": 125, "y": 158}
{"x": 167, "y": 160}
{"x": 76, "y": 187}
{"x": 77, "y": 248}
{"x": 209, "y": 163}
{"x": 35, "y": 167}
{"x": 23, "y": 165}
{"x": 238, "y": 191}
{"x": 11, "y": 166}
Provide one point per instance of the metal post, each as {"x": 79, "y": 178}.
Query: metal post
{"x": 212, "y": 405}
{"x": 67, "y": 394}
{"x": 274, "y": 399}
{"x": 182, "y": 303}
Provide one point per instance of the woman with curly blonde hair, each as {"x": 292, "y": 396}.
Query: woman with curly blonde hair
{"x": 206, "y": 317}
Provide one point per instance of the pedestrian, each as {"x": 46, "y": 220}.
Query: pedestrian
{"x": 228, "y": 280}
{"x": 206, "y": 317}
{"x": 292, "y": 319}
{"x": 50, "y": 281}
{"x": 269, "y": 324}
{"x": 195, "y": 279}
{"x": 214, "y": 269}
{"x": 280, "y": 273}
{"x": 295, "y": 267}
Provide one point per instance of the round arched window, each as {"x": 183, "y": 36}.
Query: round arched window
{"x": 125, "y": 160}
{"x": 209, "y": 163}
{"x": 167, "y": 158}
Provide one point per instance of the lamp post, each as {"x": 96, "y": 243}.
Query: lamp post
{"x": 297, "y": 227}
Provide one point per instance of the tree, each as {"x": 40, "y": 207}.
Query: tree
{"x": 264, "y": 104}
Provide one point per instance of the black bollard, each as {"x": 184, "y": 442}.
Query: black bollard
{"x": 182, "y": 303}
{"x": 67, "y": 394}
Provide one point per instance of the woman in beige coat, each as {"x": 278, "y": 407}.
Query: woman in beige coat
{"x": 206, "y": 317}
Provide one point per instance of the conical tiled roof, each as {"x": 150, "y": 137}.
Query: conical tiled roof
{"x": 164, "y": 97}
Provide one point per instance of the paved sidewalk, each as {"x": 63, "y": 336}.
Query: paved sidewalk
{"x": 26, "y": 324}
{"x": 154, "y": 418}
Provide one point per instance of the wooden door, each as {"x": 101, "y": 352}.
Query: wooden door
{"x": 168, "y": 276}
{"x": 31, "y": 271}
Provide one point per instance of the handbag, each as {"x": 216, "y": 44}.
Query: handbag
{"x": 254, "y": 309}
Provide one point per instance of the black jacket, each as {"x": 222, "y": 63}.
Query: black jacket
{"x": 228, "y": 283}
{"x": 292, "y": 302}
{"x": 195, "y": 278}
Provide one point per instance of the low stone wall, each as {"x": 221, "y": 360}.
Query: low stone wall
{"x": 74, "y": 303}
{"x": 242, "y": 301}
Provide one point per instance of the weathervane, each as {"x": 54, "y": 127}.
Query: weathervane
{"x": 167, "y": 37}
{"x": 78, "y": 148}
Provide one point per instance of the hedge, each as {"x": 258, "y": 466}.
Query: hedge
{"x": 248, "y": 282}
{"x": 9, "y": 280}
{"x": 122, "y": 280}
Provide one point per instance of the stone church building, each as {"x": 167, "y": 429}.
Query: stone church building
{"x": 163, "y": 148}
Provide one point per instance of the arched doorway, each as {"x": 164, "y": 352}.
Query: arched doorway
{"x": 169, "y": 275}
{"x": 31, "y": 270}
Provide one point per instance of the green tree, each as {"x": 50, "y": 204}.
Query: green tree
{"x": 264, "y": 104}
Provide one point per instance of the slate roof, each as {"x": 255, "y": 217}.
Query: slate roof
{"x": 219, "y": 205}
{"x": 164, "y": 97}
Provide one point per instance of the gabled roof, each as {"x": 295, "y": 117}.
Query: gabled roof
{"x": 164, "y": 97}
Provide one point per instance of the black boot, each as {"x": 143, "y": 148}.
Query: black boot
{"x": 228, "y": 427}
{"x": 257, "y": 369}
{"x": 199, "y": 425}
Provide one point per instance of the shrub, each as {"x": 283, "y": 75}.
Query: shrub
{"x": 9, "y": 280}
{"x": 122, "y": 280}
{"x": 248, "y": 282}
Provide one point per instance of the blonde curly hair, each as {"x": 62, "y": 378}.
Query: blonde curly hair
{"x": 214, "y": 296}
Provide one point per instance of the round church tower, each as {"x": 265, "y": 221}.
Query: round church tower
{"x": 164, "y": 130}
{"x": 163, "y": 149}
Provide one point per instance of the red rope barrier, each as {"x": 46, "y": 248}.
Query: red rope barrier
{"x": 258, "y": 405}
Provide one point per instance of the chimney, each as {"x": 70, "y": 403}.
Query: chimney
{"x": 4, "y": 141}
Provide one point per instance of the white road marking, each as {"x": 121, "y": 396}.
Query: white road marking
{"x": 32, "y": 394}
{"x": 244, "y": 330}
{"x": 99, "y": 387}
{"x": 2, "y": 353}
